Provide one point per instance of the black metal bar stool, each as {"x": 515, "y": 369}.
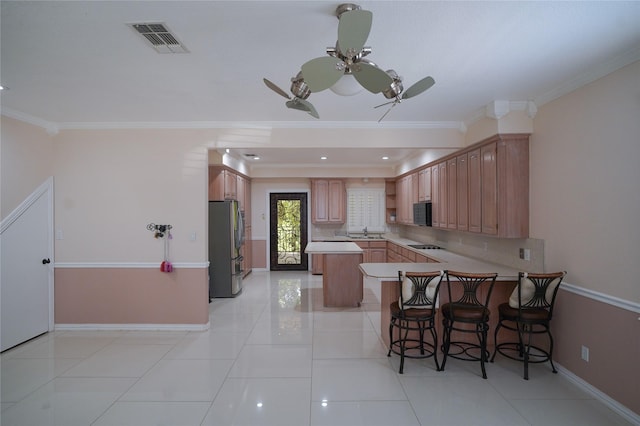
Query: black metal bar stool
{"x": 528, "y": 313}
{"x": 415, "y": 312}
{"x": 467, "y": 312}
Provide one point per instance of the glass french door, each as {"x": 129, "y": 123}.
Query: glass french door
{"x": 288, "y": 231}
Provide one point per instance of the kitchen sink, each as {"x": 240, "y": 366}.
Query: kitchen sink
{"x": 368, "y": 237}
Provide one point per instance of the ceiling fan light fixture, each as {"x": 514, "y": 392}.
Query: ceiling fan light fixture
{"x": 347, "y": 86}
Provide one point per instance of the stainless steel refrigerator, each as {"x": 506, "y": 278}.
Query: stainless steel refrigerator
{"x": 226, "y": 236}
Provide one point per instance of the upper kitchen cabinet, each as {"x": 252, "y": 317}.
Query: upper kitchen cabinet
{"x": 225, "y": 184}
{"x": 424, "y": 184}
{"x": 482, "y": 189}
{"x": 328, "y": 201}
{"x": 510, "y": 175}
{"x": 222, "y": 184}
{"x": 485, "y": 189}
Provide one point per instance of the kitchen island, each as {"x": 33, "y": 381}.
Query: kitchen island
{"x": 387, "y": 275}
{"x": 342, "y": 284}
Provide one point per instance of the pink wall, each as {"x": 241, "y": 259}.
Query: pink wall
{"x": 612, "y": 335}
{"x": 131, "y": 296}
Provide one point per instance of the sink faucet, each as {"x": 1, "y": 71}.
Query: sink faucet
{"x": 365, "y": 231}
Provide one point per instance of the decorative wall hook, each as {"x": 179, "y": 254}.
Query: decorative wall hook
{"x": 160, "y": 230}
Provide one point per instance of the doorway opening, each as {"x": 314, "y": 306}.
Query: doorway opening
{"x": 288, "y": 231}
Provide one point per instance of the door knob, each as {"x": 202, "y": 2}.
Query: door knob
{"x": 46, "y": 261}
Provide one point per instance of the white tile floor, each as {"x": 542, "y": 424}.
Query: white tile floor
{"x": 273, "y": 356}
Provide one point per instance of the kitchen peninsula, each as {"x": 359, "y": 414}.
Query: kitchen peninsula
{"x": 387, "y": 275}
{"x": 342, "y": 284}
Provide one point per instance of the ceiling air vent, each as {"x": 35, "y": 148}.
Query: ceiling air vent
{"x": 160, "y": 37}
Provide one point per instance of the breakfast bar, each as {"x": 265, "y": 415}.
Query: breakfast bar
{"x": 341, "y": 280}
{"x": 387, "y": 275}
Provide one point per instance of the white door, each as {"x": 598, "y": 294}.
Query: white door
{"x": 27, "y": 270}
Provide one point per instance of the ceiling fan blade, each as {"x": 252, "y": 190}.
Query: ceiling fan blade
{"x": 371, "y": 77}
{"x": 389, "y": 110}
{"x": 322, "y": 73}
{"x": 302, "y": 105}
{"x": 275, "y": 88}
{"x": 353, "y": 31}
{"x": 386, "y": 103}
{"x": 419, "y": 87}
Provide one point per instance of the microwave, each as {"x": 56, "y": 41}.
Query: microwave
{"x": 422, "y": 213}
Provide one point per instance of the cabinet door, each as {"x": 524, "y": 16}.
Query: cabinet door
{"x": 377, "y": 255}
{"x": 316, "y": 264}
{"x": 424, "y": 184}
{"x": 463, "y": 192}
{"x": 319, "y": 201}
{"x": 452, "y": 194}
{"x": 435, "y": 195}
{"x": 230, "y": 185}
{"x": 489, "y": 189}
{"x": 216, "y": 184}
{"x": 475, "y": 191}
{"x": 337, "y": 203}
{"x": 443, "y": 183}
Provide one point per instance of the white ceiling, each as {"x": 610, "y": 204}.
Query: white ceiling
{"x": 77, "y": 63}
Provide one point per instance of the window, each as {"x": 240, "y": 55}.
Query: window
{"x": 365, "y": 208}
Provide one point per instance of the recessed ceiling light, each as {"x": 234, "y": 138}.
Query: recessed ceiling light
{"x": 256, "y": 158}
{"x": 227, "y": 150}
{"x": 323, "y": 158}
{"x": 385, "y": 158}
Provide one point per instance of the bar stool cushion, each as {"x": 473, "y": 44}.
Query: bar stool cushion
{"x": 531, "y": 314}
{"x": 466, "y": 313}
{"x": 528, "y": 290}
{"x": 408, "y": 290}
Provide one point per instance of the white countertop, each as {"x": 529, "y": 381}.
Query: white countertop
{"x": 332, "y": 247}
{"x": 446, "y": 260}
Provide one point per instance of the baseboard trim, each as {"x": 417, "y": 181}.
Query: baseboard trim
{"x": 601, "y": 396}
{"x": 132, "y": 327}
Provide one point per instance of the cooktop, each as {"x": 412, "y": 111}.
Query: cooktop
{"x": 424, "y": 246}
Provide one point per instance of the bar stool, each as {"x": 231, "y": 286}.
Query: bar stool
{"x": 467, "y": 312}
{"x": 529, "y": 312}
{"x": 415, "y": 312}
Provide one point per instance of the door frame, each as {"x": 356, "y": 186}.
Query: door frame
{"x": 267, "y": 217}
{"x": 46, "y": 190}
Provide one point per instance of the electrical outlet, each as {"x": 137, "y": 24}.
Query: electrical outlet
{"x": 585, "y": 353}
{"x": 525, "y": 254}
{"x": 59, "y": 235}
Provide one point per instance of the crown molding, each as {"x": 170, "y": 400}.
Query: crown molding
{"x": 51, "y": 127}
{"x": 54, "y": 128}
{"x": 589, "y": 76}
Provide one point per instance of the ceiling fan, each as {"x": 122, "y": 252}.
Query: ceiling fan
{"x": 348, "y": 58}
{"x": 300, "y": 91}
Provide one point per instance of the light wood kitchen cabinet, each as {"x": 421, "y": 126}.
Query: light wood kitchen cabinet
{"x": 452, "y": 193}
{"x": 406, "y": 195}
{"x": 435, "y": 195}
{"x": 489, "y": 179}
{"x": 316, "y": 264}
{"x": 424, "y": 184}
{"x": 373, "y": 251}
{"x": 328, "y": 201}
{"x": 475, "y": 191}
{"x": 462, "y": 190}
{"x": 441, "y": 203}
{"x": 483, "y": 189}
{"x": 223, "y": 185}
